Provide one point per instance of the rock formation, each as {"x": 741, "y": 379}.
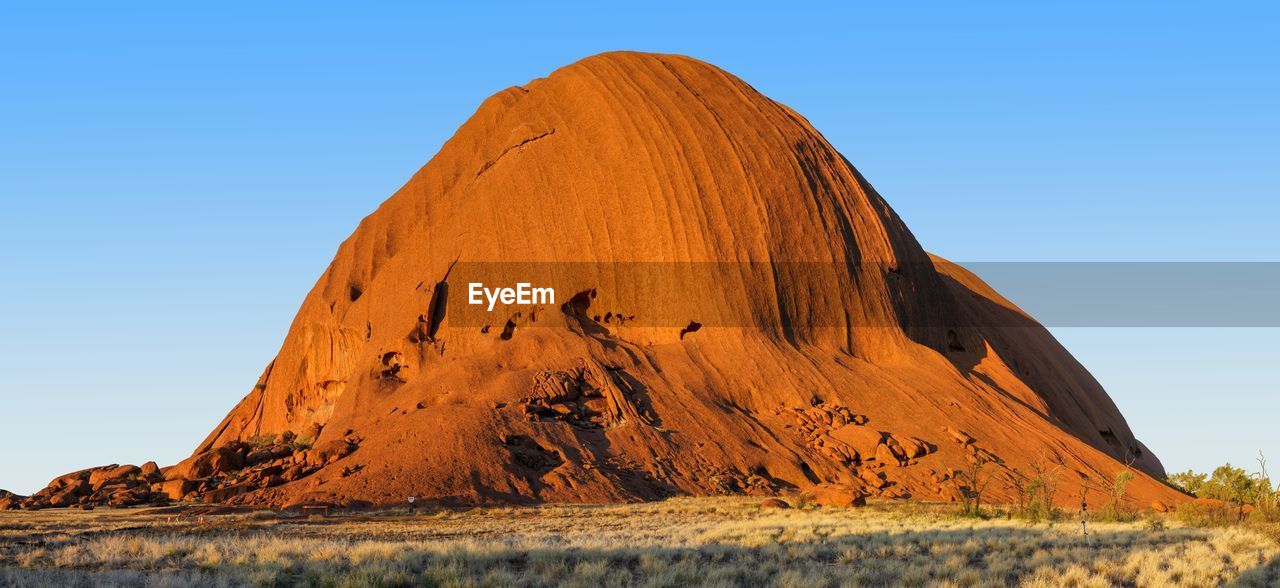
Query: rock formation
{"x": 829, "y": 354}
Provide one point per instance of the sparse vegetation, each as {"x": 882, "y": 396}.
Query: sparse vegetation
{"x": 1232, "y": 495}
{"x": 300, "y": 444}
{"x": 970, "y": 483}
{"x": 1115, "y": 509}
{"x": 705, "y": 541}
{"x": 261, "y": 440}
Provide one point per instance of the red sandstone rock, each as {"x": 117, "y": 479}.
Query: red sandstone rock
{"x": 836, "y": 495}
{"x": 176, "y": 489}
{"x": 660, "y": 159}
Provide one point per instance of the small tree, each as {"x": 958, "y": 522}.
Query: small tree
{"x": 1268, "y": 497}
{"x": 1115, "y": 501}
{"x": 1114, "y": 489}
{"x": 1232, "y": 485}
{"x": 1045, "y": 474}
{"x": 1188, "y": 481}
{"x": 1022, "y": 488}
{"x": 971, "y": 483}
{"x": 1037, "y": 491}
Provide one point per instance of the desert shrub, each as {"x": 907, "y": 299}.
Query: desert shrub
{"x": 261, "y": 440}
{"x": 1265, "y": 514}
{"x": 1038, "y": 490}
{"x": 1039, "y": 505}
{"x": 1207, "y": 514}
{"x": 1269, "y": 530}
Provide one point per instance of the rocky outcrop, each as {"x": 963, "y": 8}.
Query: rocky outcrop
{"x": 215, "y": 476}
{"x": 9, "y": 500}
{"x": 115, "y": 485}
{"x": 739, "y": 312}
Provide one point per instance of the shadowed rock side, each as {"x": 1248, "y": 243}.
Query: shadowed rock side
{"x": 643, "y": 157}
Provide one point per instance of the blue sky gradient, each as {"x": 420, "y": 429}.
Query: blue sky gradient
{"x": 174, "y": 179}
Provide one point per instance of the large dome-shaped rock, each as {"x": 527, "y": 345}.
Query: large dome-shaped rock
{"x": 804, "y": 291}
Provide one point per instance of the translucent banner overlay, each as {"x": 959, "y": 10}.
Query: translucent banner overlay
{"x": 826, "y": 294}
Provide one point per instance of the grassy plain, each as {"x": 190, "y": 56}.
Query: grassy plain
{"x": 686, "y": 541}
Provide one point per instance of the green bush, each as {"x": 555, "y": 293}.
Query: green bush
{"x": 261, "y": 440}
{"x": 1188, "y": 481}
{"x": 1235, "y": 491}
{"x": 1207, "y": 514}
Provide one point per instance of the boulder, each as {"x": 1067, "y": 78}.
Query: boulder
{"x": 774, "y": 503}
{"x": 874, "y": 479}
{"x": 149, "y": 470}
{"x": 227, "y": 492}
{"x": 329, "y": 452}
{"x": 840, "y": 495}
{"x": 63, "y": 499}
{"x": 864, "y": 440}
{"x": 961, "y": 437}
{"x": 294, "y": 472}
{"x": 913, "y": 448}
{"x": 885, "y": 454}
{"x": 111, "y": 474}
{"x": 71, "y": 478}
{"x": 218, "y": 460}
{"x": 105, "y": 492}
{"x": 267, "y": 453}
{"x": 76, "y": 482}
{"x": 128, "y": 497}
{"x": 176, "y": 489}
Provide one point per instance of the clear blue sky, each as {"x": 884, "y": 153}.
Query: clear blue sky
{"x": 174, "y": 180}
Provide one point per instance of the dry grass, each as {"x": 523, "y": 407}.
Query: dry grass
{"x": 714, "y": 542}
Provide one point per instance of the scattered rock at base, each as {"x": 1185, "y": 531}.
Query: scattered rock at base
{"x": 840, "y": 495}
{"x": 176, "y": 489}
{"x": 217, "y": 475}
{"x": 774, "y": 503}
{"x": 329, "y": 452}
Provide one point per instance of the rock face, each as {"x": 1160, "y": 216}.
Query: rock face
{"x": 884, "y": 378}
